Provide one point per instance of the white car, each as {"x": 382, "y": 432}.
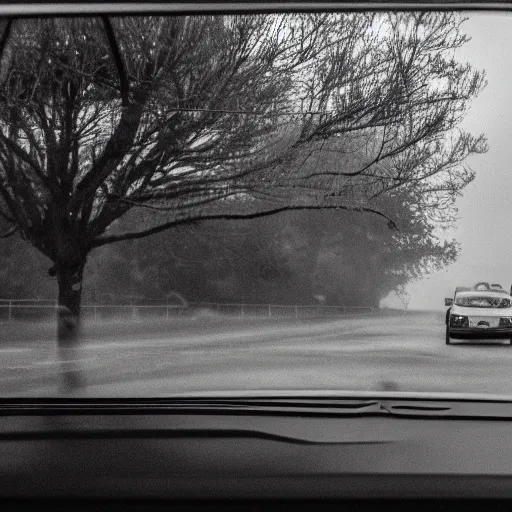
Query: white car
{"x": 482, "y": 311}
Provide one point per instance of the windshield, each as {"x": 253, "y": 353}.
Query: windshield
{"x": 476, "y": 301}
{"x": 254, "y": 202}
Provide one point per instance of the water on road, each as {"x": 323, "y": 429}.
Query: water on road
{"x": 405, "y": 352}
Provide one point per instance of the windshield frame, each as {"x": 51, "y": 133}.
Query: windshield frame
{"x": 21, "y": 9}
{"x": 62, "y": 9}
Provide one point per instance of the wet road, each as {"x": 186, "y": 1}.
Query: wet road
{"x": 378, "y": 352}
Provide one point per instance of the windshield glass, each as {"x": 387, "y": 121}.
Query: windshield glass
{"x": 250, "y": 202}
{"x": 476, "y": 301}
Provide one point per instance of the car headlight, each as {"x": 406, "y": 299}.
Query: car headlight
{"x": 459, "y": 321}
{"x": 506, "y": 321}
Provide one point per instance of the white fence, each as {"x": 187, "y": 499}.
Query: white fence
{"x": 32, "y": 310}
{"x": 11, "y": 310}
{"x": 278, "y": 310}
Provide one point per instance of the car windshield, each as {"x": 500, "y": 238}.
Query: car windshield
{"x": 476, "y": 301}
{"x": 245, "y": 202}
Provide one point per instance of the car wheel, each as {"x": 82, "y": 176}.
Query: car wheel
{"x": 448, "y": 342}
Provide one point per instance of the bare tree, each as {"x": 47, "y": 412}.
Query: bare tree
{"x": 403, "y": 295}
{"x": 221, "y": 117}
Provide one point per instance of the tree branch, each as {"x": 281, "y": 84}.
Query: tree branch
{"x": 3, "y": 44}
{"x": 115, "y": 150}
{"x": 157, "y": 229}
{"x": 11, "y": 231}
{"x": 118, "y": 59}
{"x": 23, "y": 155}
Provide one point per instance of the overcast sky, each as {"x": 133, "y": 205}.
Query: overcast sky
{"x": 485, "y": 210}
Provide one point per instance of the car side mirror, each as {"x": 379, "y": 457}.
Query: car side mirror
{"x": 448, "y": 302}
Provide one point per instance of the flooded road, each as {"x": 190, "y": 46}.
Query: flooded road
{"x": 403, "y": 352}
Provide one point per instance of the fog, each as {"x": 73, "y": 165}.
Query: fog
{"x": 485, "y": 209}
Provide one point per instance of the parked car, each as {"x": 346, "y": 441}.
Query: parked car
{"x": 483, "y": 311}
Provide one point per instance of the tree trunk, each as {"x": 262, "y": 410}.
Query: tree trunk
{"x": 70, "y": 295}
{"x": 69, "y": 279}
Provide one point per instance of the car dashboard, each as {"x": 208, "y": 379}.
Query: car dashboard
{"x": 188, "y": 452}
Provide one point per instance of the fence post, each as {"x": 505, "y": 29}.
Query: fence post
{"x": 297, "y": 312}
{"x": 242, "y": 311}
{"x": 10, "y": 311}
{"x": 167, "y": 311}
{"x": 95, "y": 313}
{"x": 269, "y": 311}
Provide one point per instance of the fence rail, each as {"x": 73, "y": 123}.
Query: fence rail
{"x": 280, "y": 310}
{"x": 37, "y": 309}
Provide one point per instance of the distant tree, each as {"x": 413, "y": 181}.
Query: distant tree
{"x": 213, "y": 117}
{"x": 287, "y": 258}
{"x": 403, "y": 295}
{"x": 231, "y": 261}
{"x": 359, "y": 262}
{"x": 22, "y": 271}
